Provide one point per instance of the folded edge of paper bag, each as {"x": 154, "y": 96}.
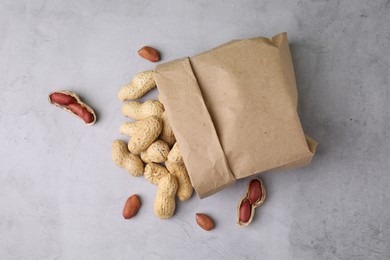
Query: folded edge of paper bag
{"x": 312, "y": 146}
{"x": 193, "y": 127}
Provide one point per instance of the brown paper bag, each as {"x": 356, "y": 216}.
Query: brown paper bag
{"x": 233, "y": 110}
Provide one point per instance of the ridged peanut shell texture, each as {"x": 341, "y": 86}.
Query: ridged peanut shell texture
{"x": 138, "y": 110}
{"x": 154, "y": 172}
{"x": 166, "y": 132}
{"x": 128, "y": 161}
{"x": 174, "y": 155}
{"x": 139, "y": 86}
{"x": 156, "y": 152}
{"x": 164, "y": 204}
{"x": 142, "y": 132}
{"x": 185, "y": 189}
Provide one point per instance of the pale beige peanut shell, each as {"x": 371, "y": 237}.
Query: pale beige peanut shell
{"x": 174, "y": 155}
{"x": 128, "y": 161}
{"x": 141, "y": 83}
{"x": 142, "y": 132}
{"x": 78, "y": 100}
{"x": 179, "y": 170}
{"x": 156, "y": 152}
{"x": 254, "y": 206}
{"x": 154, "y": 172}
{"x": 166, "y": 132}
{"x": 138, "y": 110}
{"x": 164, "y": 204}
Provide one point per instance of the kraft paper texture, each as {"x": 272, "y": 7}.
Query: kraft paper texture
{"x": 233, "y": 110}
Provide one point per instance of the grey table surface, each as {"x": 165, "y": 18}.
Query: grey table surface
{"x": 61, "y": 197}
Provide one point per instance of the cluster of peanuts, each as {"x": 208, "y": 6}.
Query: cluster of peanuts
{"x": 152, "y": 150}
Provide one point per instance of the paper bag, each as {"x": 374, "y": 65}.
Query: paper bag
{"x": 233, "y": 110}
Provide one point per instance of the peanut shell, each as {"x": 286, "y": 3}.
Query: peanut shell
{"x": 141, "y": 83}
{"x": 258, "y": 203}
{"x": 74, "y": 95}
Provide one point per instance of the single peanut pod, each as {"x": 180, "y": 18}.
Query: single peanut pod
{"x": 154, "y": 172}
{"x": 166, "y": 132}
{"x": 132, "y": 128}
{"x": 138, "y": 110}
{"x": 132, "y": 205}
{"x": 185, "y": 189}
{"x": 128, "y": 161}
{"x": 156, "y": 152}
{"x": 142, "y": 132}
{"x": 164, "y": 204}
{"x": 174, "y": 155}
{"x": 141, "y": 83}
{"x": 71, "y": 102}
{"x": 204, "y": 221}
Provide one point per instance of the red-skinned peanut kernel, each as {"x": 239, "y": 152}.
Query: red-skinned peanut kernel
{"x": 149, "y": 54}
{"x": 204, "y": 221}
{"x": 62, "y": 99}
{"x": 82, "y": 112}
{"x": 255, "y": 192}
{"x": 245, "y": 211}
{"x": 132, "y": 205}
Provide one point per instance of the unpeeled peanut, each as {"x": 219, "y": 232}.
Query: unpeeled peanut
{"x": 154, "y": 172}
{"x": 174, "y": 155}
{"x": 138, "y": 110}
{"x": 166, "y": 132}
{"x": 156, "y": 152}
{"x": 164, "y": 204}
{"x": 132, "y": 205}
{"x": 185, "y": 189}
{"x": 142, "y": 132}
{"x": 141, "y": 83}
{"x": 175, "y": 165}
{"x": 128, "y": 161}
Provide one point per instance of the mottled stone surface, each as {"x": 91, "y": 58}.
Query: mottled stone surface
{"x": 61, "y": 197}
